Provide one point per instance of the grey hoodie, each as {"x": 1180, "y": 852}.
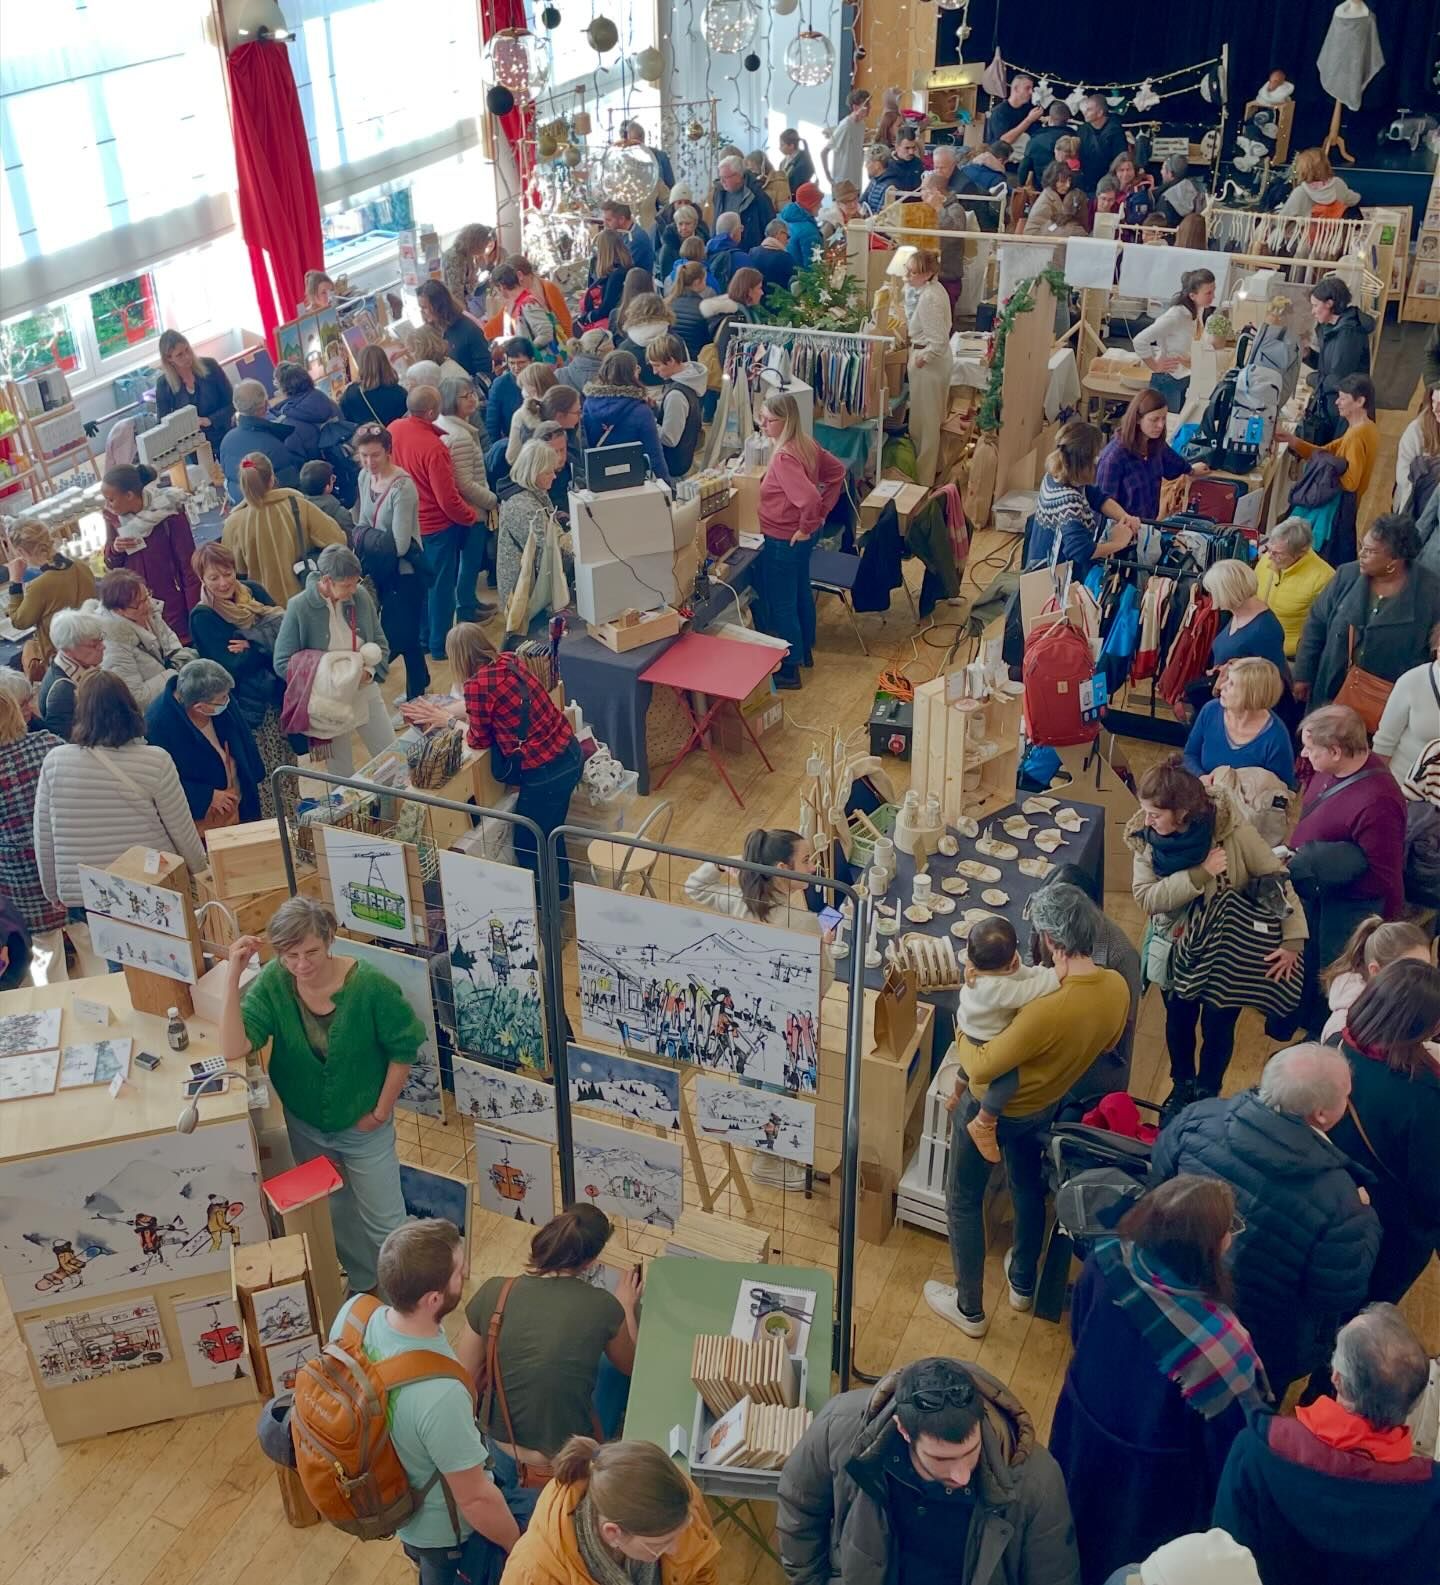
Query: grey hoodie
{"x": 1306, "y": 195}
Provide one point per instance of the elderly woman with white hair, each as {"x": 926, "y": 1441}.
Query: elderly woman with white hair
{"x": 1248, "y": 628}
{"x": 79, "y": 640}
{"x": 1289, "y": 576}
{"x": 214, "y": 751}
{"x": 527, "y": 515}
{"x": 335, "y": 612}
{"x": 684, "y": 223}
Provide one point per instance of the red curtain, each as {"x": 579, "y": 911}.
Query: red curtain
{"x": 496, "y": 15}
{"x": 279, "y": 210}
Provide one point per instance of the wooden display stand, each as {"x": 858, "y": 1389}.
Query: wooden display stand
{"x": 76, "y": 1120}
{"x": 156, "y": 993}
{"x": 1284, "y": 123}
{"x": 254, "y": 1269}
{"x": 309, "y": 1219}
{"x": 949, "y": 91}
{"x": 944, "y": 741}
{"x": 33, "y": 463}
{"x": 1022, "y": 394}
{"x": 1422, "y": 290}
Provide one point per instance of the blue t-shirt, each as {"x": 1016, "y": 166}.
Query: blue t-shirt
{"x": 432, "y": 1426}
{"x": 1208, "y": 747}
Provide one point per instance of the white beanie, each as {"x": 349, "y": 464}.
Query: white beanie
{"x": 1209, "y": 1559}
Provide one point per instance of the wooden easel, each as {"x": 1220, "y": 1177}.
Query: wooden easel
{"x": 1333, "y": 140}
{"x": 1085, "y": 332}
{"x": 733, "y": 1175}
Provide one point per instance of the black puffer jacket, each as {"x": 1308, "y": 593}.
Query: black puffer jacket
{"x": 1342, "y": 347}
{"x": 1302, "y": 1263}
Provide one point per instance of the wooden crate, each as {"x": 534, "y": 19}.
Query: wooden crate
{"x": 251, "y": 914}
{"x": 944, "y": 736}
{"x": 246, "y": 859}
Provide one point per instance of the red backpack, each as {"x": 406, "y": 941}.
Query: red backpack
{"x": 1057, "y": 664}
{"x": 1190, "y": 654}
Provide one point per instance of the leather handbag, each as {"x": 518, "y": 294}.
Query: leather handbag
{"x": 1363, "y": 691}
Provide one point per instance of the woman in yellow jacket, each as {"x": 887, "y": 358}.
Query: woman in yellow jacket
{"x": 1289, "y": 575}
{"x": 622, "y": 1514}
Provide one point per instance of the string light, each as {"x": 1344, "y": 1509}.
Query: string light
{"x": 729, "y": 25}
{"x": 1200, "y": 68}
{"x": 809, "y": 59}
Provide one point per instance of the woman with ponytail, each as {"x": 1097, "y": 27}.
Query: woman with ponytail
{"x": 745, "y": 895}
{"x": 1375, "y": 945}
{"x": 622, "y": 1514}
{"x": 274, "y": 529}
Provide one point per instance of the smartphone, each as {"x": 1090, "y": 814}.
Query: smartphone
{"x": 206, "y": 1084}
{"x": 830, "y": 918}
{"x": 147, "y": 1059}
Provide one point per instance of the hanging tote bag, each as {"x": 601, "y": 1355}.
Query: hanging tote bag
{"x": 1220, "y": 958}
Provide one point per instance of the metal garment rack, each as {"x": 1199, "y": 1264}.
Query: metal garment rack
{"x": 779, "y": 335}
{"x": 1149, "y": 725}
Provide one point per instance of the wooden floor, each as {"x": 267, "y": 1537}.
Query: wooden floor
{"x": 192, "y": 1502}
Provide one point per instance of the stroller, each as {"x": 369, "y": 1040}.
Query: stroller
{"x": 1096, "y": 1176}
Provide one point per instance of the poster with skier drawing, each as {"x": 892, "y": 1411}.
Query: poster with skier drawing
{"x": 494, "y": 965}
{"x": 504, "y": 1100}
{"x": 133, "y": 902}
{"x": 84, "y": 1344}
{"x": 735, "y": 1114}
{"x": 731, "y": 995}
{"x": 85, "y": 1223}
{"x": 626, "y": 1173}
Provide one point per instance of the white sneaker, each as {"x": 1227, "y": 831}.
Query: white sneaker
{"x": 777, "y": 1173}
{"x": 1023, "y": 1302}
{"x": 943, "y": 1300}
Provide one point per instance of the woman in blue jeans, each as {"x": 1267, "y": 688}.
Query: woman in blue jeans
{"x": 342, "y": 1038}
{"x": 800, "y": 487}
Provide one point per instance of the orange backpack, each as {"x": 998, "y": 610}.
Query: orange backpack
{"x": 341, "y": 1430}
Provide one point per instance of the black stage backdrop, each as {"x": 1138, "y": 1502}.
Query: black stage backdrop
{"x": 1101, "y": 41}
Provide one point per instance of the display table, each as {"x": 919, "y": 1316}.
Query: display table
{"x": 725, "y": 671}
{"x": 94, "y": 1189}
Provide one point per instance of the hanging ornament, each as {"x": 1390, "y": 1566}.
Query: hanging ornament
{"x": 952, "y": 5}
{"x": 650, "y": 65}
{"x": 729, "y": 25}
{"x": 1145, "y": 96}
{"x": 751, "y": 63}
{"x": 628, "y": 174}
{"x": 1116, "y": 102}
{"x": 572, "y": 156}
{"x": 499, "y": 101}
{"x": 694, "y": 132}
{"x": 1074, "y": 99}
{"x": 550, "y": 18}
{"x": 1044, "y": 93}
{"x": 603, "y": 35}
{"x": 783, "y": 8}
{"x": 580, "y": 120}
{"x": 516, "y": 59}
{"x": 809, "y": 59}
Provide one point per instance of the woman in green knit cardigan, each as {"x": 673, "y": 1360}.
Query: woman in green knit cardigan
{"x": 342, "y": 1038}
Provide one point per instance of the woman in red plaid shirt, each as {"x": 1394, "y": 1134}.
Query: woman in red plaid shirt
{"x": 509, "y": 711}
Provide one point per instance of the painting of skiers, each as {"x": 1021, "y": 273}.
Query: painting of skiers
{"x": 86, "y": 1223}
{"x": 641, "y": 1091}
{"x": 494, "y": 965}
{"x": 731, "y": 995}
{"x": 133, "y": 902}
{"x": 88, "y": 1343}
{"x": 735, "y": 1114}
{"x": 626, "y": 1173}
{"x": 504, "y": 1100}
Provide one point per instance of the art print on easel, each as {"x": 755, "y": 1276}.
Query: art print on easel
{"x": 760, "y": 1120}
{"x": 98, "y": 1221}
{"x": 368, "y": 884}
{"x": 494, "y": 964}
{"x": 133, "y": 947}
{"x": 731, "y": 995}
{"x": 643, "y": 1092}
{"x": 626, "y": 1173}
{"x": 88, "y": 1343}
{"x": 421, "y": 1092}
{"x": 211, "y": 1341}
{"x": 507, "y": 1101}
{"x": 133, "y": 902}
{"x": 515, "y": 1176}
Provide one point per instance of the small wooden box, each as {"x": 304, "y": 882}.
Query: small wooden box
{"x": 650, "y": 629}
{"x": 246, "y": 859}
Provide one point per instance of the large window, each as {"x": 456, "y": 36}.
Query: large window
{"x": 116, "y": 142}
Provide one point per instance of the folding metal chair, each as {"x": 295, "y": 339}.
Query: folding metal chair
{"x": 834, "y": 572}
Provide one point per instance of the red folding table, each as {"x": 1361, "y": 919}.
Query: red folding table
{"x": 726, "y": 671}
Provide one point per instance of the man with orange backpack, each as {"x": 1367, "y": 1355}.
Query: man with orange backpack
{"x": 391, "y": 1448}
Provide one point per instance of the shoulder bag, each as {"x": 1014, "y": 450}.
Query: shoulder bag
{"x": 305, "y": 562}
{"x": 1363, "y": 691}
{"x": 1220, "y": 958}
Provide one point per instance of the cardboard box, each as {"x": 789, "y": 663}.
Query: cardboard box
{"x": 874, "y": 1202}
{"x": 650, "y": 629}
{"x": 729, "y": 735}
{"x": 246, "y": 859}
{"x": 607, "y": 589}
{"x": 908, "y": 500}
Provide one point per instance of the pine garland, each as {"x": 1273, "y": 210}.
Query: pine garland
{"x": 1020, "y": 301}
{"x": 818, "y": 298}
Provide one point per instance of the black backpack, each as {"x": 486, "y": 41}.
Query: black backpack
{"x": 1207, "y": 444}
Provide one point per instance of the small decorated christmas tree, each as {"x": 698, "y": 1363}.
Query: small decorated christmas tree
{"x": 820, "y": 297}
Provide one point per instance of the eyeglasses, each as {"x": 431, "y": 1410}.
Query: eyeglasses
{"x": 1237, "y": 1225}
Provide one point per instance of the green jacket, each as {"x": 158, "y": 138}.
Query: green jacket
{"x": 373, "y": 1027}
{"x": 928, "y": 537}
{"x": 307, "y": 626}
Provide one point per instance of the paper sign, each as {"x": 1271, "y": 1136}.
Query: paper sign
{"x": 116, "y": 1085}
{"x": 95, "y": 1012}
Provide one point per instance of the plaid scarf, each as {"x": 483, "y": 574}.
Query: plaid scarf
{"x": 1199, "y": 1344}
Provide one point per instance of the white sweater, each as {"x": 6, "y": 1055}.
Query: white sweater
{"x": 1412, "y": 445}
{"x": 76, "y": 782}
{"x": 1172, "y": 335}
{"x": 929, "y": 323}
{"x": 713, "y": 887}
{"x": 988, "y": 1006}
{"x": 1410, "y": 720}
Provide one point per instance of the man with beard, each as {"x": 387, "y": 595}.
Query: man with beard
{"x": 421, "y": 1271}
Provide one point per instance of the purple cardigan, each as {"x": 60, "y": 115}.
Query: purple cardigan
{"x": 1371, "y": 814}
{"x": 1135, "y": 481}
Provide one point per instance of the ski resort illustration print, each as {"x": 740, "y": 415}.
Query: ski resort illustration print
{"x": 626, "y": 1173}
{"x": 494, "y": 964}
{"x": 642, "y": 1091}
{"x": 733, "y": 995}
{"x": 504, "y": 1100}
{"x": 113, "y": 1217}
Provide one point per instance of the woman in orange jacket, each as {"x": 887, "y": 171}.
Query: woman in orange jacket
{"x": 608, "y": 1509}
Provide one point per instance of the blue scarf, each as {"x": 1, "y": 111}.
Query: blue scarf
{"x": 1182, "y": 849}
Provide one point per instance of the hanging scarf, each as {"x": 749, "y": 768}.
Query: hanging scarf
{"x": 1182, "y": 849}
{"x": 1198, "y": 1343}
{"x": 241, "y": 609}
{"x": 600, "y": 1562}
{"x": 1348, "y": 1432}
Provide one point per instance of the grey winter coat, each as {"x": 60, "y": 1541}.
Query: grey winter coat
{"x": 1397, "y": 639}
{"x": 833, "y": 1525}
{"x": 578, "y": 373}
{"x": 523, "y": 513}
{"x": 144, "y": 658}
{"x": 307, "y": 626}
{"x": 76, "y": 784}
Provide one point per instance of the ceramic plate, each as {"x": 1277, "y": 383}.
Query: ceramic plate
{"x": 1038, "y": 806}
{"x": 956, "y": 885}
{"x": 995, "y": 897}
{"x": 1069, "y": 820}
{"x": 1047, "y": 841}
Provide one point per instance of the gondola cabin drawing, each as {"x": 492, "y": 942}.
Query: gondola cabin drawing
{"x": 367, "y": 880}
{"x": 372, "y": 902}
{"x": 515, "y": 1176}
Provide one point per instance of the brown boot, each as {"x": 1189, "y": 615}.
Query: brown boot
{"x": 981, "y": 1128}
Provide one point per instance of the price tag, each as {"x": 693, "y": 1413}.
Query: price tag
{"x": 152, "y": 861}
{"x": 1094, "y": 696}
{"x": 95, "y": 1012}
{"x": 116, "y": 1085}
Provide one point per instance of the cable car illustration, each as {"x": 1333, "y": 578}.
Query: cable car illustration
{"x": 373, "y": 902}
{"x": 221, "y": 1342}
{"x": 510, "y": 1182}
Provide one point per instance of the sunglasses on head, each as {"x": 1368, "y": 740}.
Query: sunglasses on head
{"x": 368, "y": 432}
{"x": 934, "y": 1398}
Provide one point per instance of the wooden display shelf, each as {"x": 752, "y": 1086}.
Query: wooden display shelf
{"x": 944, "y": 738}
{"x": 25, "y": 437}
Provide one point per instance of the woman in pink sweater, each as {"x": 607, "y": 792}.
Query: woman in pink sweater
{"x": 800, "y": 487}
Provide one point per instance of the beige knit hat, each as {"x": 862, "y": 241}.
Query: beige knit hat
{"x": 1213, "y": 1558}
